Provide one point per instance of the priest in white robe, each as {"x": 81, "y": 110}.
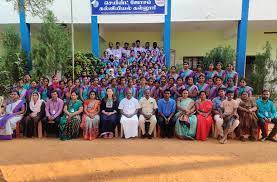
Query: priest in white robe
{"x": 129, "y": 107}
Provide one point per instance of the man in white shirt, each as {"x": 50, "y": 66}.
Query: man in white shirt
{"x": 126, "y": 50}
{"x": 147, "y": 115}
{"x": 117, "y": 52}
{"x": 138, "y": 48}
{"x": 129, "y": 108}
{"x": 110, "y": 50}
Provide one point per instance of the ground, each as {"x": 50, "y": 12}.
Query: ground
{"x": 161, "y": 160}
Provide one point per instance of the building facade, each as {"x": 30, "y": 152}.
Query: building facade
{"x": 197, "y": 26}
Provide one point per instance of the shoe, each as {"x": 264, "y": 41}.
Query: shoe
{"x": 223, "y": 141}
{"x": 241, "y": 138}
{"x": 251, "y": 138}
{"x": 263, "y": 139}
{"x": 219, "y": 137}
{"x": 271, "y": 139}
{"x": 143, "y": 136}
{"x": 149, "y": 136}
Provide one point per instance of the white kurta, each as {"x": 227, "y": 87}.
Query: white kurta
{"x": 130, "y": 125}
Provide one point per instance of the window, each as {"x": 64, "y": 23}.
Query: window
{"x": 194, "y": 61}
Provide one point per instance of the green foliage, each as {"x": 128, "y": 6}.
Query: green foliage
{"x": 13, "y": 61}
{"x": 35, "y": 7}
{"x": 84, "y": 62}
{"x": 225, "y": 55}
{"x": 260, "y": 69}
{"x": 51, "y": 52}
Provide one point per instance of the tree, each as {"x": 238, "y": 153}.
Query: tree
{"x": 53, "y": 48}
{"x": 13, "y": 61}
{"x": 263, "y": 68}
{"x": 225, "y": 55}
{"x": 35, "y": 7}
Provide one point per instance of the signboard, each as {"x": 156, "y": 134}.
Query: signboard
{"x": 123, "y": 7}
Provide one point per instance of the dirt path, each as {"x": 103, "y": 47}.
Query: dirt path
{"x": 137, "y": 160}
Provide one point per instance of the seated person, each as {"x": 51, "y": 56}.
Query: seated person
{"x": 230, "y": 116}
{"x": 14, "y": 111}
{"x": 166, "y": 111}
{"x": 147, "y": 118}
{"x": 35, "y": 112}
{"x": 129, "y": 108}
{"x": 53, "y": 111}
{"x": 267, "y": 114}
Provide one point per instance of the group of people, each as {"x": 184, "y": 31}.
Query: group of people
{"x": 137, "y": 91}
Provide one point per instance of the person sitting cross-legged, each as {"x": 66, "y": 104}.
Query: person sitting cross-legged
{"x": 230, "y": 115}
{"x": 166, "y": 109}
{"x": 129, "y": 108}
{"x": 267, "y": 114}
{"x": 147, "y": 118}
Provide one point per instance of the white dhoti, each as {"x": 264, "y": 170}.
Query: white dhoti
{"x": 130, "y": 126}
{"x": 10, "y": 125}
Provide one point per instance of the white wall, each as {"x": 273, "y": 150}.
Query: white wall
{"x": 7, "y": 13}
{"x": 182, "y": 10}
{"x": 263, "y": 10}
{"x": 204, "y": 10}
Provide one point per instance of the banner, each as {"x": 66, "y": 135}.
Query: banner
{"x": 120, "y": 7}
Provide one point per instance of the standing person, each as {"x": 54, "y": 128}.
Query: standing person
{"x": 267, "y": 114}
{"x": 166, "y": 111}
{"x": 14, "y": 111}
{"x": 244, "y": 88}
{"x": 186, "y": 121}
{"x": 216, "y": 87}
{"x": 141, "y": 88}
{"x": 27, "y": 82}
{"x": 201, "y": 85}
{"x": 192, "y": 89}
{"x": 230, "y": 116}
{"x": 217, "y": 111}
{"x": 138, "y": 48}
{"x": 70, "y": 122}
{"x": 197, "y": 73}
{"x": 31, "y": 90}
{"x": 210, "y": 73}
{"x": 117, "y": 52}
{"x": 35, "y": 112}
{"x": 84, "y": 90}
{"x": 185, "y": 72}
{"x": 248, "y": 118}
{"x": 219, "y": 72}
{"x": 129, "y": 108}
{"x": 90, "y": 119}
{"x": 109, "y": 114}
{"x": 121, "y": 88}
{"x": 53, "y": 111}
{"x": 230, "y": 73}
{"x": 147, "y": 116}
{"x": 126, "y": 50}
{"x": 44, "y": 89}
{"x": 204, "y": 116}
{"x": 110, "y": 50}
{"x": 232, "y": 87}
{"x": 22, "y": 91}
{"x": 55, "y": 84}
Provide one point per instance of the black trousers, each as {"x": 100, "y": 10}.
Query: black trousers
{"x": 167, "y": 130}
{"x": 46, "y": 125}
{"x": 262, "y": 123}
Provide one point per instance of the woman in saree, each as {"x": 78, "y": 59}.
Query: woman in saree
{"x": 230, "y": 73}
{"x": 14, "y": 111}
{"x": 210, "y": 73}
{"x": 35, "y": 112}
{"x": 70, "y": 122}
{"x": 248, "y": 118}
{"x": 21, "y": 90}
{"x": 90, "y": 120}
{"x": 186, "y": 122}
{"x": 192, "y": 89}
{"x": 204, "y": 116}
{"x": 109, "y": 114}
{"x": 244, "y": 88}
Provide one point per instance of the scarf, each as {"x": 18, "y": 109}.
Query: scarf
{"x": 36, "y": 107}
